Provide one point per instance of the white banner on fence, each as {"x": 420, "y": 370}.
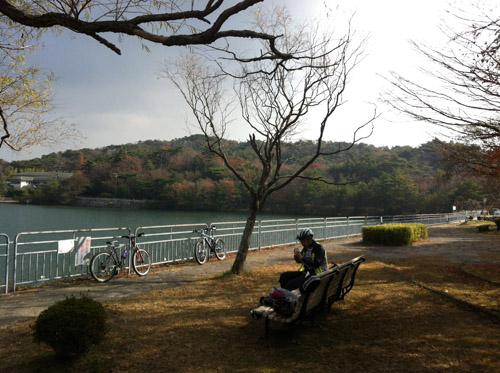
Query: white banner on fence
{"x": 65, "y": 246}
{"x": 82, "y": 254}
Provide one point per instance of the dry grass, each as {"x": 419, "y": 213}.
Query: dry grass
{"x": 473, "y": 283}
{"x": 386, "y": 323}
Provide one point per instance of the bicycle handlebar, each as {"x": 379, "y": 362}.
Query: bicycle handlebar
{"x": 206, "y": 229}
{"x": 134, "y": 236}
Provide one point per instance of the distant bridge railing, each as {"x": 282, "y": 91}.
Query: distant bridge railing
{"x": 37, "y": 257}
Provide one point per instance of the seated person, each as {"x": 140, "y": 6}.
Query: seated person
{"x": 312, "y": 258}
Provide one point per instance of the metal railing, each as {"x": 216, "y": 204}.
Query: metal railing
{"x": 37, "y": 257}
{"x": 4, "y": 260}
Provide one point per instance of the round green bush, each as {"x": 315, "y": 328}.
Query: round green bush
{"x": 71, "y": 326}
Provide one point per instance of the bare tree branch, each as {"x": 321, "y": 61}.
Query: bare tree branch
{"x": 466, "y": 96}
{"x": 152, "y": 24}
{"x": 3, "y": 139}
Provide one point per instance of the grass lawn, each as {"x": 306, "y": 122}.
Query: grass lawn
{"x": 387, "y": 323}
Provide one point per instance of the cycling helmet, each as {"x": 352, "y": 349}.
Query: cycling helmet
{"x": 304, "y": 233}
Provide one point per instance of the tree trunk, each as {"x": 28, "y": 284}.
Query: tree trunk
{"x": 241, "y": 256}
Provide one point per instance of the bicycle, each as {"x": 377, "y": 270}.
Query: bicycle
{"x": 106, "y": 264}
{"x": 208, "y": 244}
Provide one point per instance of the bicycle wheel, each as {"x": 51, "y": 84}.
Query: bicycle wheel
{"x": 200, "y": 252}
{"x": 141, "y": 262}
{"x": 103, "y": 267}
{"x": 220, "y": 249}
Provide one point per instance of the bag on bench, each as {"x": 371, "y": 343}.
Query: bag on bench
{"x": 281, "y": 300}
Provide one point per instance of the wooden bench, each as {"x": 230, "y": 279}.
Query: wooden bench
{"x": 315, "y": 295}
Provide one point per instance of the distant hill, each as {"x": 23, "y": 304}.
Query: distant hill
{"x": 182, "y": 174}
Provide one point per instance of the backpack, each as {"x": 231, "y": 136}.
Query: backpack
{"x": 281, "y": 300}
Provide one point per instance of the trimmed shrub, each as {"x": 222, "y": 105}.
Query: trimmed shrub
{"x": 394, "y": 234}
{"x": 71, "y": 326}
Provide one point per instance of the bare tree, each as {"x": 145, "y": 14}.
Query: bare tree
{"x": 276, "y": 100}
{"x": 464, "y": 96}
{"x": 464, "y": 90}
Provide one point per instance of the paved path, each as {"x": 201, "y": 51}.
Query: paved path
{"x": 456, "y": 244}
{"x": 452, "y": 243}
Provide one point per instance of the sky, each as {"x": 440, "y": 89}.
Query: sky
{"x": 122, "y": 99}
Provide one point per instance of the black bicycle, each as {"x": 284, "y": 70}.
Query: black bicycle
{"x": 208, "y": 244}
{"x": 106, "y": 264}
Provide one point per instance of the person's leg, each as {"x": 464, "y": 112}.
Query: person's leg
{"x": 292, "y": 279}
{"x": 287, "y": 276}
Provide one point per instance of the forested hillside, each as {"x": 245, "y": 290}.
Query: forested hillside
{"x": 181, "y": 174}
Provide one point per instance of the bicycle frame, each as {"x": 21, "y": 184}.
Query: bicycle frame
{"x": 113, "y": 246}
{"x": 208, "y": 239}
{"x": 132, "y": 246}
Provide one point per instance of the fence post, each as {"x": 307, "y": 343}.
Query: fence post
{"x": 6, "y": 262}
{"x": 14, "y": 270}
{"x": 348, "y": 227}
{"x": 259, "y": 234}
{"x": 381, "y": 220}
{"x": 324, "y": 229}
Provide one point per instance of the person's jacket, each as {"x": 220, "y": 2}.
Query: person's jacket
{"x": 318, "y": 261}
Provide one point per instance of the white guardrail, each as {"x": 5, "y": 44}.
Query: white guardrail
{"x": 36, "y": 257}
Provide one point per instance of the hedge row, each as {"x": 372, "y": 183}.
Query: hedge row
{"x": 394, "y": 234}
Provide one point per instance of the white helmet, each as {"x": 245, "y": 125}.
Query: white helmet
{"x": 304, "y": 233}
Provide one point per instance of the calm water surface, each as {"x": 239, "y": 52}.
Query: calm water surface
{"x": 15, "y": 218}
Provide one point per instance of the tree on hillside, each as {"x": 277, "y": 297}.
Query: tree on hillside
{"x": 25, "y": 94}
{"x": 471, "y": 160}
{"x": 275, "y": 100}
{"x": 466, "y": 95}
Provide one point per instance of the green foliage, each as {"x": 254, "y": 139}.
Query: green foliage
{"x": 71, "y": 326}
{"x": 394, "y": 234}
{"x": 180, "y": 174}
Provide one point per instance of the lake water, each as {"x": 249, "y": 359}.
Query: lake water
{"x": 16, "y": 218}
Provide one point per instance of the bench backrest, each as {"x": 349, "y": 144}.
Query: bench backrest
{"x": 316, "y": 298}
{"x": 348, "y": 282}
{"x": 334, "y": 288}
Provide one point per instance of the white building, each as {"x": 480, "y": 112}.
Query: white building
{"x": 33, "y": 179}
